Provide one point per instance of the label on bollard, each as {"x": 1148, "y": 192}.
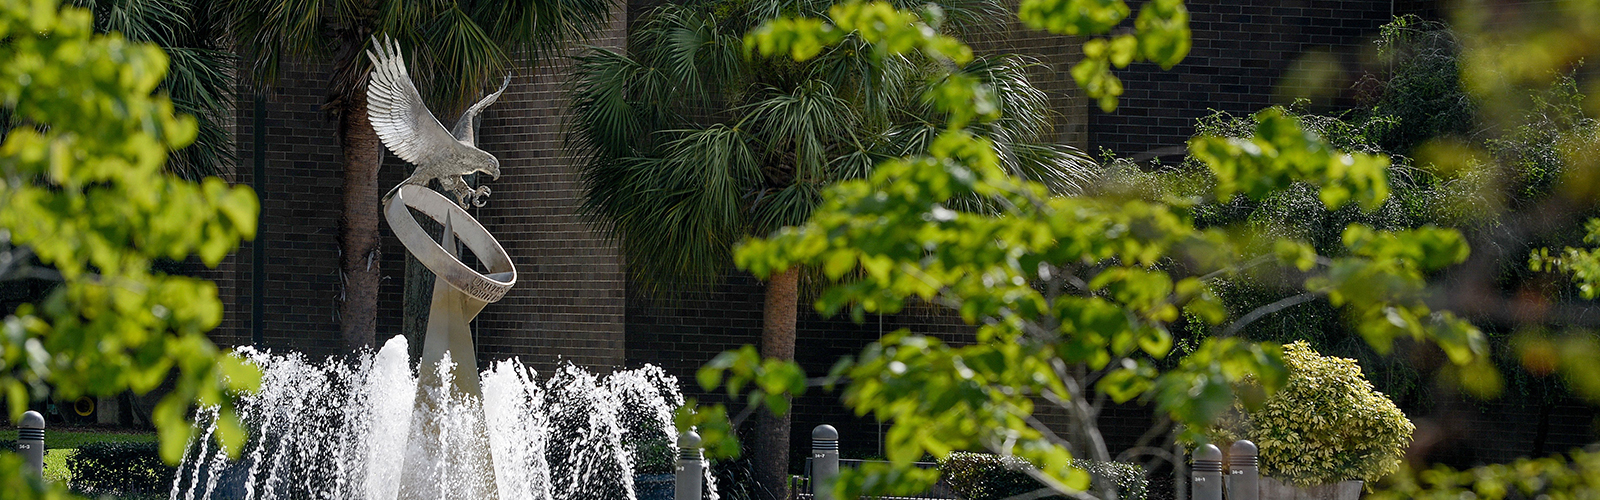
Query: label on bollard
{"x": 817, "y": 455}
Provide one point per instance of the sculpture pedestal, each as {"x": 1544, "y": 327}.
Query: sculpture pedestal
{"x": 448, "y": 455}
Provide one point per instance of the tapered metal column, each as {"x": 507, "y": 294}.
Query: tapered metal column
{"x": 30, "y": 443}
{"x": 691, "y": 468}
{"x": 1207, "y": 473}
{"x": 1244, "y": 478}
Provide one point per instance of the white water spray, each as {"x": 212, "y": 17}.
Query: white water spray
{"x": 342, "y": 430}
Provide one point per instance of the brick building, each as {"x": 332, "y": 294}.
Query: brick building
{"x": 572, "y": 301}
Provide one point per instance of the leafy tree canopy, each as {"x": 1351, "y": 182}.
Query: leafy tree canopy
{"x": 82, "y": 190}
{"x": 1072, "y": 296}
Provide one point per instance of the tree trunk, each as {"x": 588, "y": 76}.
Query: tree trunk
{"x": 358, "y": 238}
{"x": 415, "y": 302}
{"x": 777, "y": 341}
{"x": 417, "y": 298}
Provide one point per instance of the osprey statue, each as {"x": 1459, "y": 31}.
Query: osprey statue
{"x": 406, "y": 126}
{"x": 449, "y": 368}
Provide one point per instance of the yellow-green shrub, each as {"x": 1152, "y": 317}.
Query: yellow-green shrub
{"x": 1325, "y": 425}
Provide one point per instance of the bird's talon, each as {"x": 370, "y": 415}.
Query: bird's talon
{"x": 480, "y": 196}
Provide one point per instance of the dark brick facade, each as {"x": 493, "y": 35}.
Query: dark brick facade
{"x": 299, "y": 217}
{"x": 1241, "y": 52}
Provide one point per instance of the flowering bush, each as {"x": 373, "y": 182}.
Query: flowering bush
{"x": 1325, "y": 425}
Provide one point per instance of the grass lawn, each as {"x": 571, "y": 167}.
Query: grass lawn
{"x": 62, "y": 443}
{"x": 72, "y": 438}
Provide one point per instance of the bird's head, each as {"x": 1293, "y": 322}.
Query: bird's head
{"x": 489, "y": 165}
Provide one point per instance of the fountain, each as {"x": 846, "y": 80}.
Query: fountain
{"x": 368, "y": 427}
{"x": 342, "y": 429}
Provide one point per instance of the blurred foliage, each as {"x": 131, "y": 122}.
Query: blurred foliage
{"x": 200, "y": 72}
{"x": 1326, "y": 425}
{"x": 83, "y": 189}
{"x": 1160, "y": 35}
{"x": 1575, "y": 476}
{"x": 1449, "y": 168}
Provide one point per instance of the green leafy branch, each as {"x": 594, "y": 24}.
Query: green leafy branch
{"x": 82, "y": 188}
{"x": 1073, "y": 297}
{"x": 1161, "y": 36}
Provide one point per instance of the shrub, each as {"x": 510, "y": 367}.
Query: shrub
{"x": 1325, "y": 425}
{"x": 647, "y": 396}
{"x": 122, "y": 467}
{"x": 982, "y": 476}
{"x": 1422, "y": 97}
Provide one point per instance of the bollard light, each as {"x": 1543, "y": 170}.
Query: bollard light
{"x": 30, "y": 443}
{"x": 824, "y": 461}
{"x": 691, "y": 468}
{"x": 1206, "y": 475}
{"x": 1244, "y": 478}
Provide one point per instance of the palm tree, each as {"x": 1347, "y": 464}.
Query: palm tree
{"x": 457, "y": 49}
{"x": 199, "y": 73}
{"x": 690, "y": 146}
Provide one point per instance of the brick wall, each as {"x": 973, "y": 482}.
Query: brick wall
{"x": 299, "y": 217}
{"x": 1240, "y": 54}
{"x": 568, "y": 302}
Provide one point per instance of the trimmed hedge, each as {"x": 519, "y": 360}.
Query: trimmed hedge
{"x": 982, "y": 476}
{"x": 121, "y": 467}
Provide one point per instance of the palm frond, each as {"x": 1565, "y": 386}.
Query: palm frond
{"x": 788, "y": 206}
{"x": 269, "y": 32}
{"x": 805, "y": 123}
{"x": 690, "y": 146}
{"x": 539, "y": 28}
{"x": 692, "y": 49}
{"x": 199, "y": 72}
{"x": 1062, "y": 168}
{"x": 606, "y": 122}
{"x": 200, "y": 84}
{"x": 676, "y": 215}
{"x": 460, "y": 60}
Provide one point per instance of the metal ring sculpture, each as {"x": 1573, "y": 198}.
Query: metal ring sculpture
{"x": 488, "y": 288}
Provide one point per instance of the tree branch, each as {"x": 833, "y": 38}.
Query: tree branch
{"x": 1262, "y": 311}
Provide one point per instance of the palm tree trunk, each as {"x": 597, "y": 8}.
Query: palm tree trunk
{"x": 358, "y": 238}
{"x": 417, "y": 299}
{"x": 777, "y": 341}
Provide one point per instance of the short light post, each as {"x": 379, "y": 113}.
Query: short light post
{"x": 1244, "y": 477}
{"x": 691, "y": 468}
{"x": 1207, "y": 473}
{"x": 824, "y": 461}
{"x": 30, "y": 443}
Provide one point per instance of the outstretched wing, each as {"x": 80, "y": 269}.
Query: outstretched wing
{"x": 463, "y": 128}
{"x": 397, "y": 113}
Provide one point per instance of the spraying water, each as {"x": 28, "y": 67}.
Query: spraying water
{"x": 348, "y": 429}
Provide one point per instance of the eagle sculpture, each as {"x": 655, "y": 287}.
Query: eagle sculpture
{"x": 405, "y": 125}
